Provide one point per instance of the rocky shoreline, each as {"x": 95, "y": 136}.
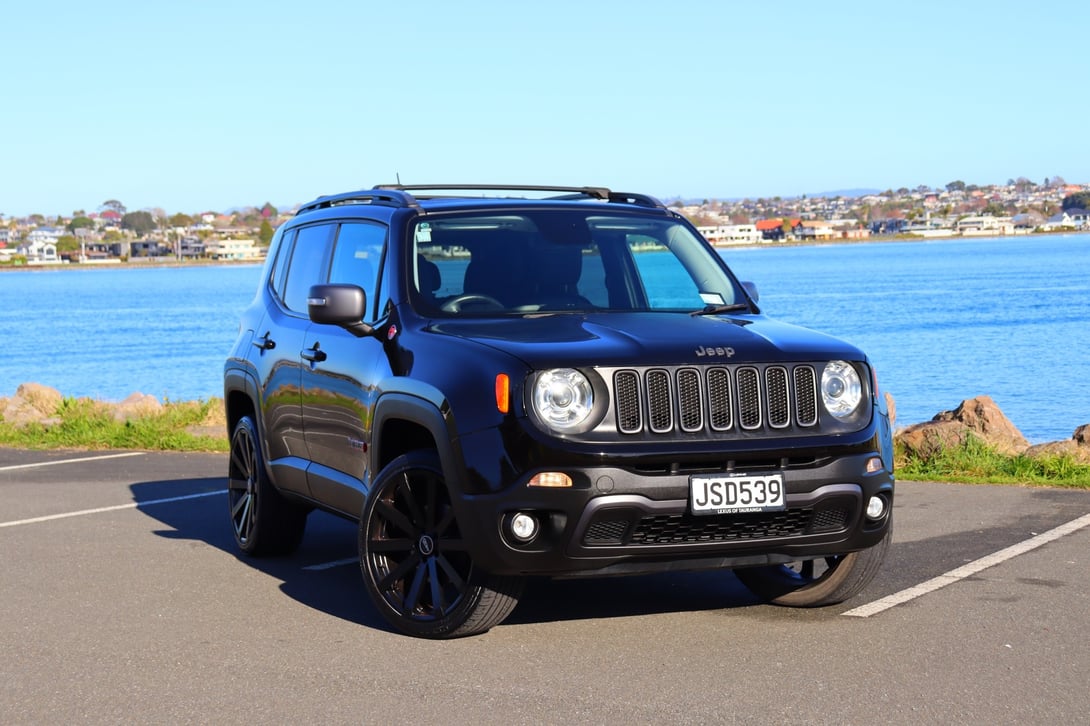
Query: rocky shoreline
{"x": 978, "y": 417}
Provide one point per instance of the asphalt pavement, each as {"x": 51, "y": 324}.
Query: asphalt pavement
{"x": 124, "y": 601}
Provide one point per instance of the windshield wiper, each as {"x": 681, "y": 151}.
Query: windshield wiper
{"x": 719, "y": 309}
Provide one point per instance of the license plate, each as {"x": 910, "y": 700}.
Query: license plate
{"x": 737, "y": 493}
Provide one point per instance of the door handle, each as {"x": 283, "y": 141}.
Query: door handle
{"x": 264, "y": 342}
{"x": 314, "y": 355}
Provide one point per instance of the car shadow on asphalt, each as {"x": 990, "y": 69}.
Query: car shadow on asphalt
{"x": 323, "y": 574}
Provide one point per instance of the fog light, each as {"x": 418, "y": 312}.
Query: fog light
{"x": 524, "y": 527}
{"x": 876, "y": 507}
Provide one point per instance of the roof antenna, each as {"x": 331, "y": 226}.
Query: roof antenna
{"x": 398, "y": 175}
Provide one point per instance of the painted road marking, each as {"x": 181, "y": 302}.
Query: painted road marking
{"x": 71, "y": 461}
{"x": 115, "y": 508}
{"x": 334, "y": 563}
{"x": 956, "y": 575}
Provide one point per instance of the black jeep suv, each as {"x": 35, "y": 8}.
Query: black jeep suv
{"x": 498, "y": 382}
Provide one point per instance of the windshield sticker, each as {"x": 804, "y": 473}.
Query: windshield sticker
{"x": 712, "y": 298}
{"x": 423, "y": 232}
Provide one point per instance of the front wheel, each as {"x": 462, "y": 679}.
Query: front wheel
{"x": 819, "y": 582}
{"x": 416, "y": 566}
{"x": 264, "y": 522}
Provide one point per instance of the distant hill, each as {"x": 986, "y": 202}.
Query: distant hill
{"x": 846, "y": 193}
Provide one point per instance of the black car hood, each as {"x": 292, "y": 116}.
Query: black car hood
{"x": 626, "y": 339}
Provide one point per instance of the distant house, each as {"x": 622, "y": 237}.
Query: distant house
{"x": 772, "y": 229}
{"x": 984, "y": 225}
{"x": 40, "y": 247}
{"x": 233, "y": 249}
{"x": 731, "y": 234}
{"x": 190, "y": 247}
{"x": 812, "y": 229}
{"x": 1068, "y": 219}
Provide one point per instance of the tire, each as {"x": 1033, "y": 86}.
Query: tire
{"x": 263, "y": 521}
{"x": 416, "y": 567}
{"x": 817, "y": 583}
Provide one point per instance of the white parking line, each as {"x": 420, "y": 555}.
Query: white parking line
{"x": 956, "y": 575}
{"x": 334, "y": 563}
{"x": 100, "y": 510}
{"x": 70, "y": 461}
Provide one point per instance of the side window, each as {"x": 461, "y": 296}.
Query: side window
{"x": 309, "y": 261}
{"x": 277, "y": 275}
{"x": 357, "y": 257}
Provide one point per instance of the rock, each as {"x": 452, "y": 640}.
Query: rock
{"x": 32, "y": 403}
{"x": 137, "y": 405}
{"x": 1077, "y": 447}
{"x": 891, "y": 406}
{"x": 1059, "y": 449}
{"x": 978, "y": 417}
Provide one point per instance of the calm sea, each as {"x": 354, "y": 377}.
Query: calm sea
{"x": 943, "y": 321}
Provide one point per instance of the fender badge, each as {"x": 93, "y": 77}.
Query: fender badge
{"x": 391, "y": 332}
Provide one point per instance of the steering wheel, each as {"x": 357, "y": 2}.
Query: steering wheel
{"x": 459, "y": 303}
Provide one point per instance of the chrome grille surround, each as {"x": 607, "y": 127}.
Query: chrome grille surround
{"x": 719, "y": 399}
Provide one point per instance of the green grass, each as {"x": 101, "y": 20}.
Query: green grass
{"x": 86, "y": 424}
{"x": 976, "y": 463}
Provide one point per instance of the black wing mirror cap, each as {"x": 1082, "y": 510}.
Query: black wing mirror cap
{"x": 343, "y": 305}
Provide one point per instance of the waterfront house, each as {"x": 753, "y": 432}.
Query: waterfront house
{"x": 234, "y": 249}
{"x": 984, "y": 225}
{"x": 731, "y": 234}
{"x": 40, "y": 247}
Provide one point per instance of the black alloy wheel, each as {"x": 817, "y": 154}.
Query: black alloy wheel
{"x": 817, "y": 582}
{"x": 415, "y": 563}
{"x": 264, "y": 523}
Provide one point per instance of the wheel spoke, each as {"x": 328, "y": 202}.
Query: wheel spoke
{"x": 409, "y": 496}
{"x": 438, "y": 602}
{"x": 451, "y": 573}
{"x": 412, "y": 598}
{"x": 396, "y": 574}
{"x": 389, "y": 546}
{"x": 243, "y": 521}
{"x": 394, "y": 516}
{"x": 241, "y": 457}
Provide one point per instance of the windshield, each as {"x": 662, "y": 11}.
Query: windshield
{"x": 565, "y": 260}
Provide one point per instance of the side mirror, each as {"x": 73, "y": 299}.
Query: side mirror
{"x": 341, "y": 305}
{"x": 751, "y": 289}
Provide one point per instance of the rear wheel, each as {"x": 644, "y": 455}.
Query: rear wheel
{"x": 416, "y": 567}
{"x": 816, "y": 583}
{"x": 263, "y": 521}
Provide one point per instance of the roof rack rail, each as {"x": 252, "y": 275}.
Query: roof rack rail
{"x": 431, "y": 191}
{"x": 442, "y": 190}
{"x": 644, "y": 200}
{"x": 386, "y": 197}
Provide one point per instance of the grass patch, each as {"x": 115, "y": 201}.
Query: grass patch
{"x": 86, "y": 424}
{"x": 974, "y": 462}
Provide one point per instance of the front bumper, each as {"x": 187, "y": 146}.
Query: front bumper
{"x": 618, "y": 521}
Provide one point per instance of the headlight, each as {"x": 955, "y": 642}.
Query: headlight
{"x": 841, "y": 390}
{"x": 562, "y": 399}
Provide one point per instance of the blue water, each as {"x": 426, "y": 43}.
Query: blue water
{"x": 943, "y": 321}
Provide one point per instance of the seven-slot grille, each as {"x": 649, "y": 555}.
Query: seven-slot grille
{"x": 716, "y": 398}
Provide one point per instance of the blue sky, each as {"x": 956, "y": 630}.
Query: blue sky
{"x": 209, "y": 105}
